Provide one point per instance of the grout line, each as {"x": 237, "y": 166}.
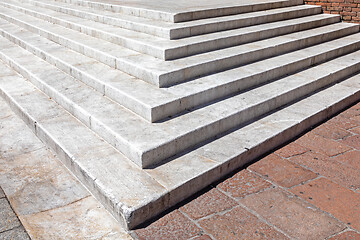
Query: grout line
{"x": 306, "y": 202}
{"x": 197, "y": 224}
{"x": 256, "y": 214}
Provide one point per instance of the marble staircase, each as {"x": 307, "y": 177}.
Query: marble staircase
{"x": 148, "y": 102}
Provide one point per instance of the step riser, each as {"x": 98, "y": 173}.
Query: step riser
{"x": 242, "y": 39}
{"x": 166, "y": 79}
{"x": 163, "y": 111}
{"x": 223, "y": 26}
{"x": 182, "y": 17}
{"x": 178, "y": 52}
{"x": 183, "y": 75}
{"x": 192, "y": 186}
{"x": 195, "y": 15}
{"x": 120, "y": 97}
{"x": 238, "y": 85}
{"x": 81, "y": 114}
{"x": 199, "y": 135}
{"x": 185, "y": 31}
{"x": 116, "y": 39}
{"x": 149, "y": 29}
{"x": 67, "y": 159}
{"x": 186, "y": 140}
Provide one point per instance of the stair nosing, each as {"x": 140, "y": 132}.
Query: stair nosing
{"x": 146, "y": 154}
{"x": 179, "y": 98}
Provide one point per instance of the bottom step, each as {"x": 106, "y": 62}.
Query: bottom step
{"x": 134, "y": 195}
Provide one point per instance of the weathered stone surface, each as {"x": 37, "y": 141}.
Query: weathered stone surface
{"x": 241, "y": 87}
{"x": 37, "y": 182}
{"x": 18, "y": 233}
{"x": 80, "y": 220}
{"x": 8, "y": 219}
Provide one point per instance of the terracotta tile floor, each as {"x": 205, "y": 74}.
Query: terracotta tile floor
{"x": 308, "y": 189}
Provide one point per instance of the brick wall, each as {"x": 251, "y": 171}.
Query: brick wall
{"x": 348, "y": 9}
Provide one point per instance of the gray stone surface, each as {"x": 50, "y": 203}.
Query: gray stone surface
{"x": 183, "y": 10}
{"x": 154, "y": 103}
{"x": 50, "y": 202}
{"x": 8, "y": 219}
{"x": 153, "y": 144}
{"x": 175, "y": 31}
{"x": 2, "y": 194}
{"x": 163, "y": 48}
{"x": 44, "y": 185}
{"x": 18, "y": 233}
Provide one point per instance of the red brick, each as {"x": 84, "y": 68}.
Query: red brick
{"x": 349, "y": 235}
{"x": 330, "y": 197}
{"x": 172, "y": 226}
{"x": 331, "y": 131}
{"x": 283, "y": 172}
{"x": 291, "y": 149}
{"x": 208, "y": 203}
{"x": 334, "y": 8}
{"x": 351, "y": 158}
{"x": 322, "y": 145}
{"x": 352, "y": 141}
{"x": 293, "y": 216}
{"x": 343, "y": 122}
{"x": 239, "y": 224}
{"x": 351, "y": 5}
{"x": 243, "y": 183}
{"x": 346, "y": 18}
{"x": 334, "y": 170}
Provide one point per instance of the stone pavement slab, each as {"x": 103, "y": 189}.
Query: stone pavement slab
{"x": 8, "y": 219}
{"x": 49, "y": 201}
{"x": 18, "y": 233}
{"x": 10, "y": 226}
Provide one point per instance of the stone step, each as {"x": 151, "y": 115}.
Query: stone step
{"x": 180, "y": 30}
{"x": 134, "y": 195}
{"x": 162, "y": 74}
{"x": 147, "y": 144}
{"x": 155, "y": 104}
{"x": 183, "y": 10}
{"x": 157, "y": 47}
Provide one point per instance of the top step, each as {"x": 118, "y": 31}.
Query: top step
{"x": 183, "y": 10}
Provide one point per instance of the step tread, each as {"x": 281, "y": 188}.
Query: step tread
{"x": 184, "y": 29}
{"x": 175, "y": 12}
{"x": 147, "y": 142}
{"x": 192, "y": 171}
{"x": 159, "y": 47}
{"x": 149, "y": 68}
{"x": 89, "y": 155}
{"x": 159, "y": 103}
